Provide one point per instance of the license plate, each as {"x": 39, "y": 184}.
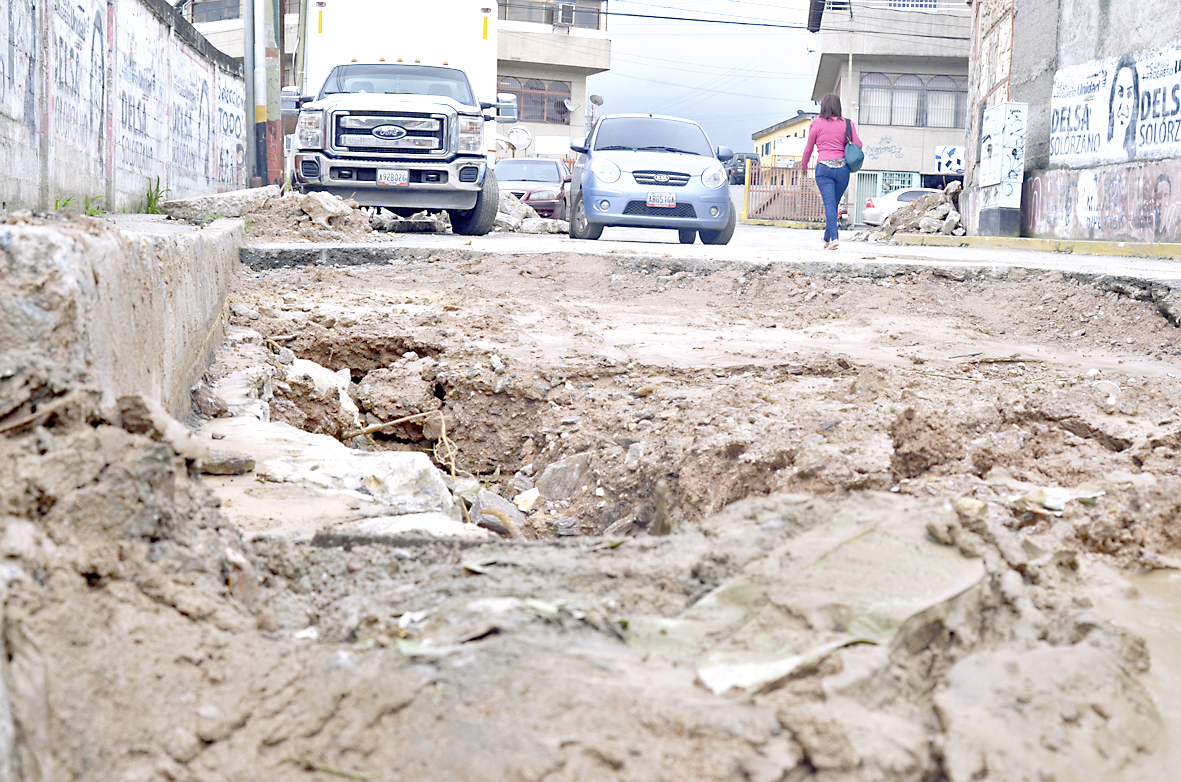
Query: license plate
{"x": 398, "y": 177}
{"x": 668, "y": 200}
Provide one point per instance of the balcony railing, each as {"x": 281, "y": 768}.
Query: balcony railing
{"x": 540, "y": 12}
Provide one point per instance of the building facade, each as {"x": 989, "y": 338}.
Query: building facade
{"x": 546, "y": 50}
{"x": 1101, "y": 87}
{"x": 900, "y": 68}
{"x": 782, "y": 144}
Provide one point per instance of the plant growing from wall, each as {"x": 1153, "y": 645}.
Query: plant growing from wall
{"x": 154, "y": 196}
{"x": 92, "y": 207}
{"x": 62, "y": 203}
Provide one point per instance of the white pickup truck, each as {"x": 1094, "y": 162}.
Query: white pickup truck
{"x": 396, "y": 119}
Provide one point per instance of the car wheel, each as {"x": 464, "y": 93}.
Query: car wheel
{"x": 723, "y": 236}
{"x": 580, "y": 227}
{"x": 478, "y": 220}
{"x": 687, "y": 235}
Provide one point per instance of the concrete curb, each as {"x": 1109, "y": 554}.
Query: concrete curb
{"x": 1170, "y": 252}
{"x": 799, "y": 224}
{"x": 82, "y": 305}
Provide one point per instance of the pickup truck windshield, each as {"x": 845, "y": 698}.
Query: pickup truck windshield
{"x": 652, "y": 134}
{"x": 394, "y": 79}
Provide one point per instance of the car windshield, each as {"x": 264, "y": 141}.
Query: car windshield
{"x": 652, "y": 134}
{"x": 907, "y": 196}
{"x": 527, "y": 171}
{"x": 393, "y": 79}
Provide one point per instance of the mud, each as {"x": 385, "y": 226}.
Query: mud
{"x": 893, "y": 508}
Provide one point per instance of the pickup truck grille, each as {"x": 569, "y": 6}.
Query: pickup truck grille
{"x": 392, "y": 133}
{"x": 666, "y": 178}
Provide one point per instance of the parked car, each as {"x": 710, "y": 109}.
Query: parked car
{"x": 537, "y": 181}
{"x": 736, "y": 166}
{"x": 878, "y": 209}
{"x": 652, "y": 172}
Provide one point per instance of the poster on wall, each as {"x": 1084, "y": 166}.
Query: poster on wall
{"x": 1118, "y": 109}
{"x": 949, "y": 160}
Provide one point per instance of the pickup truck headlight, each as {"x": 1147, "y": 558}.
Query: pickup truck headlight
{"x": 714, "y": 176}
{"x": 471, "y": 134}
{"x": 310, "y": 130}
{"x": 604, "y": 170}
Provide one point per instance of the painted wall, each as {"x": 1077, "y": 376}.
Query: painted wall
{"x": 1067, "y": 59}
{"x": 98, "y": 98}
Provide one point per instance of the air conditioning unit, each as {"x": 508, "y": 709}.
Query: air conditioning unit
{"x": 564, "y": 14}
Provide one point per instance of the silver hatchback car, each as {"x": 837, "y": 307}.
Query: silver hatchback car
{"x": 651, "y": 172}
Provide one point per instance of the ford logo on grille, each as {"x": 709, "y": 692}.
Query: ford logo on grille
{"x": 662, "y": 178}
{"x": 389, "y": 132}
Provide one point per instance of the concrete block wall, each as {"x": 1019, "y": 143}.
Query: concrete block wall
{"x": 99, "y": 98}
{"x": 120, "y": 312}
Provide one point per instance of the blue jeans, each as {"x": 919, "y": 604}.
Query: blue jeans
{"x": 832, "y": 183}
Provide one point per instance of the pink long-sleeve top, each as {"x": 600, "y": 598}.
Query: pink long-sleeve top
{"x": 827, "y": 136}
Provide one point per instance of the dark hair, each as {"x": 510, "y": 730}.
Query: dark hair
{"x": 1129, "y": 139}
{"x": 830, "y": 106}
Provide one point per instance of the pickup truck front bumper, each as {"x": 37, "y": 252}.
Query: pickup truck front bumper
{"x": 431, "y": 184}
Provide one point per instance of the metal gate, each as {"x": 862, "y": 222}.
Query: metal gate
{"x": 779, "y": 194}
{"x": 870, "y": 184}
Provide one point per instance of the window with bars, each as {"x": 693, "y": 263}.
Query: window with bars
{"x": 913, "y": 4}
{"x": 539, "y": 101}
{"x": 907, "y": 101}
{"x": 199, "y": 11}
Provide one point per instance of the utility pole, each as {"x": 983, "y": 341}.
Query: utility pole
{"x": 253, "y": 178}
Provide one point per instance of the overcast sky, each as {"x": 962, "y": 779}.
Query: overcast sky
{"x": 732, "y": 79}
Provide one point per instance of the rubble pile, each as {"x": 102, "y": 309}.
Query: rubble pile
{"x": 933, "y": 213}
{"x": 512, "y": 215}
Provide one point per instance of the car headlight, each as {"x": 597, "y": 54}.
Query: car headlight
{"x": 310, "y": 130}
{"x": 471, "y": 134}
{"x": 545, "y": 195}
{"x": 604, "y": 170}
{"x": 714, "y": 176}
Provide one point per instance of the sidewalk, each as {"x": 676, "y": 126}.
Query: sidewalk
{"x": 1113, "y": 249}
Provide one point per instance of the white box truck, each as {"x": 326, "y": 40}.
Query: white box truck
{"x": 394, "y": 107}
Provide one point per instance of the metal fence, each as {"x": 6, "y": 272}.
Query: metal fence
{"x": 780, "y": 194}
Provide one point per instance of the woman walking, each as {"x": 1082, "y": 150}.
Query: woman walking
{"x": 827, "y": 135}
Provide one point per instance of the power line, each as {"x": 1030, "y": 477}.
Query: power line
{"x": 780, "y": 26}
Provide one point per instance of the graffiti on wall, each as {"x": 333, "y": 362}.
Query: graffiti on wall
{"x": 949, "y": 160}
{"x": 191, "y": 130}
{"x": 140, "y": 86}
{"x": 231, "y": 132}
{"x": 1118, "y": 109}
{"x": 1002, "y": 152}
{"x": 883, "y": 150}
{"x": 79, "y": 55}
{"x": 1122, "y": 203}
{"x": 18, "y": 64}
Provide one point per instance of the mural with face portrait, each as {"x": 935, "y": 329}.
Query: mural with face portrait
{"x": 1118, "y": 109}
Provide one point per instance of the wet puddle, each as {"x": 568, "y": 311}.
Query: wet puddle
{"x": 1152, "y": 610}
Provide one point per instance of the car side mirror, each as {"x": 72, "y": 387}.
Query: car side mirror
{"x": 489, "y": 117}
{"x": 569, "y": 178}
{"x": 725, "y": 153}
{"x": 579, "y": 148}
{"x": 302, "y": 99}
{"x": 485, "y": 105}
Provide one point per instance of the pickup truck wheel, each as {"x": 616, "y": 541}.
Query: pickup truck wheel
{"x": 580, "y": 227}
{"x": 723, "y": 236}
{"x": 478, "y": 220}
{"x": 687, "y": 235}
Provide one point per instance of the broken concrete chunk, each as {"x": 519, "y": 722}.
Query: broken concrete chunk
{"x": 505, "y": 520}
{"x": 222, "y": 463}
{"x": 208, "y": 207}
{"x": 139, "y": 415}
{"x": 207, "y": 403}
{"x": 527, "y": 499}
{"x": 562, "y": 479}
{"x": 322, "y": 208}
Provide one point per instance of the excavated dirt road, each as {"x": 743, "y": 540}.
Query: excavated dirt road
{"x": 795, "y": 527}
